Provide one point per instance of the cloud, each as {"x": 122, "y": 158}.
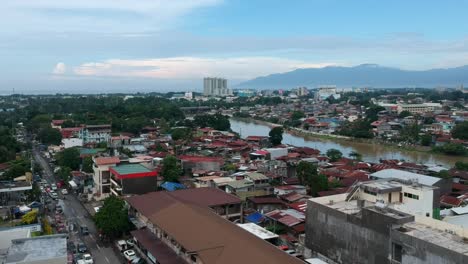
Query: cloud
{"x": 59, "y": 69}
{"x": 124, "y": 16}
{"x": 193, "y": 67}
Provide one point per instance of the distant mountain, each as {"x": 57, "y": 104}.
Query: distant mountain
{"x": 370, "y": 75}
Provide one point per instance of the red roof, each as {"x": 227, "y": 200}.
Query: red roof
{"x": 262, "y": 152}
{"x": 201, "y": 159}
{"x": 459, "y": 186}
{"x": 57, "y": 122}
{"x": 107, "y": 160}
{"x": 265, "y": 200}
{"x": 299, "y": 206}
{"x": 450, "y": 200}
{"x": 255, "y": 138}
{"x": 4, "y": 166}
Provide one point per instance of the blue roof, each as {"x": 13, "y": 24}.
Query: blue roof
{"x": 172, "y": 186}
{"x": 255, "y": 218}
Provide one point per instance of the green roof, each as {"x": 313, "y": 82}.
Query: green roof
{"x": 88, "y": 151}
{"x": 130, "y": 169}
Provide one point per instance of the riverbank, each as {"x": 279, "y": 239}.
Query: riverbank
{"x": 372, "y": 149}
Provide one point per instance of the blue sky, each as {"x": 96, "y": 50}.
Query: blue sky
{"x": 158, "y": 45}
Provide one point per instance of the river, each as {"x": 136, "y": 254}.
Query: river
{"x": 369, "y": 152}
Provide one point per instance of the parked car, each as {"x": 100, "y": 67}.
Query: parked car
{"x": 71, "y": 247}
{"x": 82, "y": 248}
{"x": 130, "y": 254}
{"x": 64, "y": 191}
{"x": 53, "y": 195}
{"x": 84, "y": 230}
{"x": 53, "y": 186}
{"x": 88, "y": 259}
{"x": 138, "y": 260}
{"x": 130, "y": 242}
{"x": 122, "y": 245}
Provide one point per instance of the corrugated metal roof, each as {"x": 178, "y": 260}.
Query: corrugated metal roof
{"x": 405, "y": 175}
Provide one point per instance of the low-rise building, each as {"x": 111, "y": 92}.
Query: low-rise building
{"x": 101, "y": 175}
{"x": 51, "y": 249}
{"x": 131, "y": 179}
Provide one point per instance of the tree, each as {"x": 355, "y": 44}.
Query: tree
{"x": 171, "y": 170}
{"x": 49, "y": 135}
{"x": 460, "y": 165}
{"x": 360, "y": 128}
{"x": 426, "y": 140}
{"x": 276, "y": 135}
{"x": 69, "y": 157}
{"x": 112, "y": 218}
{"x": 297, "y": 115}
{"x": 452, "y": 149}
{"x": 404, "y": 114}
{"x": 460, "y": 131}
{"x": 87, "y": 164}
{"x": 308, "y": 175}
{"x": 334, "y": 154}
{"x": 64, "y": 173}
{"x": 216, "y": 121}
{"x": 372, "y": 111}
{"x": 29, "y": 218}
{"x": 410, "y": 133}
{"x": 355, "y": 155}
{"x": 181, "y": 133}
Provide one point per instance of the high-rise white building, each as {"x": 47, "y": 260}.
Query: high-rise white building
{"x": 215, "y": 87}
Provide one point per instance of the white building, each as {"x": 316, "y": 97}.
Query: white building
{"x": 101, "y": 176}
{"x": 411, "y": 198}
{"x": 216, "y": 87}
{"x": 325, "y": 92}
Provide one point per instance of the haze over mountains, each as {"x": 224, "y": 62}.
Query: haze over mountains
{"x": 369, "y": 75}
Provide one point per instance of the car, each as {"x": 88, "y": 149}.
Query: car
{"x": 41, "y": 188}
{"x": 82, "y": 248}
{"x": 64, "y": 191}
{"x": 130, "y": 242}
{"x": 290, "y": 251}
{"x": 138, "y": 260}
{"x": 84, "y": 230}
{"x": 130, "y": 254}
{"x": 122, "y": 245}
{"x": 88, "y": 259}
{"x": 53, "y": 186}
{"x": 53, "y": 195}
{"x": 71, "y": 247}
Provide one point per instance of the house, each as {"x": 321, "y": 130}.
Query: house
{"x": 132, "y": 179}
{"x": 95, "y": 134}
{"x": 191, "y": 163}
{"x": 196, "y": 234}
{"x": 260, "y": 180}
{"x": 265, "y": 204}
{"x": 285, "y": 189}
{"x": 101, "y": 175}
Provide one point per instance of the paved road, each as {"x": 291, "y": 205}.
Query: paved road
{"x": 75, "y": 213}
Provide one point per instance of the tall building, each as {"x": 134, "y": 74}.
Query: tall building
{"x": 215, "y": 87}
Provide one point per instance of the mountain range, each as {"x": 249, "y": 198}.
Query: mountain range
{"x": 364, "y": 75}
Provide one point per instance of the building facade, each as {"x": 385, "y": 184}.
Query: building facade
{"x": 216, "y": 87}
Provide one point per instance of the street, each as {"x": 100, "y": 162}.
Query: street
{"x": 76, "y": 214}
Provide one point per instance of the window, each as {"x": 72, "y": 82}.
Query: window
{"x": 397, "y": 251}
{"x": 412, "y": 196}
{"x": 370, "y": 192}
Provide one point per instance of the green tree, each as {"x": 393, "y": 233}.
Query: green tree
{"x": 452, "y": 149}
{"x": 355, "y": 155}
{"x": 171, "y": 170}
{"x": 334, "y": 154}
{"x": 163, "y": 126}
{"x": 87, "y": 164}
{"x": 68, "y": 123}
{"x": 29, "y": 218}
{"x": 216, "y": 121}
{"x": 276, "y": 135}
{"x": 372, "y": 111}
{"x": 426, "y": 140}
{"x": 404, "y": 114}
{"x": 64, "y": 173}
{"x": 308, "y": 175}
{"x": 410, "y": 133}
{"x": 112, "y": 218}
{"x": 69, "y": 157}
{"x": 297, "y": 115}
{"x": 460, "y": 131}
{"x": 460, "y": 165}
{"x": 181, "y": 133}
{"x": 49, "y": 135}
{"x": 18, "y": 168}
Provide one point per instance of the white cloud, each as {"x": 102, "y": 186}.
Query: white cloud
{"x": 193, "y": 67}
{"x": 59, "y": 69}
{"x": 106, "y": 16}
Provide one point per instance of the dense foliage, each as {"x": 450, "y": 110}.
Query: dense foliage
{"x": 452, "y": 149}
{"x": 70, "y": 158}
{"x": 50, "y": 136}
{"x": 276, "y": 135}
{"x": 334, "y": 154}
{"x": 309, "y": 176}
{"x": 8, "y": 145}
{"x": 216, "y": 121}
{"x": 112, "y": 218}
{"x": 460, "y": 131}
{"x": 171, "y": 170}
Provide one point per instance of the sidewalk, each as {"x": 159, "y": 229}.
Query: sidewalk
{"x": 89, "y": 206}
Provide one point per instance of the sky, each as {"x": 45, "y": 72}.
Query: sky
{"x": 89, "y": 46}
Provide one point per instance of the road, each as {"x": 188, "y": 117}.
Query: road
{"x": 75, "y": 213}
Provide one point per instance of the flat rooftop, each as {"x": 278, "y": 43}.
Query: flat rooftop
{"x": 38, "y": 249}
{"x": 436, "y": 236}
{"x": 393, "y": 185}
{"x": 258, "y": 231}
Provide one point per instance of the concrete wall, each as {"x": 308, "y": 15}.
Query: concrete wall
{"x": 139, "y": 185}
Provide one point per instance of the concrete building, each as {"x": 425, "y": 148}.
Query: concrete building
{"x": 101, "y": 176}
{"x": 349, "y": 230}
{"x": 216, "y": 87}
{"x": 325, "y": 92}
{"x": 95, "y": 134}
{"x": 50, "y": 249}
{"x": 419, "y": 108}
{"x": 131, "y": 179}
